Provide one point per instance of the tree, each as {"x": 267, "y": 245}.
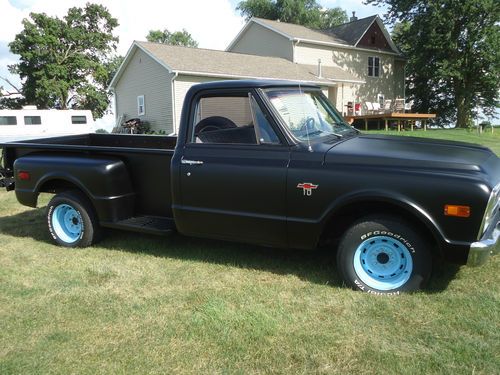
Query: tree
{"x": 303, "y": 12}
{"x": 453, "y": 55}
{"x": 67, "y": 63}
{"x": 177, "y": 38}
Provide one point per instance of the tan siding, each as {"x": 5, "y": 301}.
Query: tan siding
{"x": 389, "y": 84}
{"x": 258, "y": 40}
{"x": 144, "y": 76}
{"x": 181, "y": 86}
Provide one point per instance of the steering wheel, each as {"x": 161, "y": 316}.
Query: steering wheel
{"x": 309, "y": 125}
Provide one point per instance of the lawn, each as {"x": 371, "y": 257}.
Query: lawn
{"x": 137, "y": 304}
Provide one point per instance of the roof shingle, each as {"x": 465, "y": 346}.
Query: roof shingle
{"x": 214, "y": 62}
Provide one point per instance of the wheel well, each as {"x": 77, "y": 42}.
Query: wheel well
{"x": 342, "y": 219}
{"x": 57, "y": 186}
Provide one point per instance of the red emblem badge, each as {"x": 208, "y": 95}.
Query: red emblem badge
{"x": 307, "y": 188}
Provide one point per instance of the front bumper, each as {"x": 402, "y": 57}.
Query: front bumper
{"x": 488, "y": 245}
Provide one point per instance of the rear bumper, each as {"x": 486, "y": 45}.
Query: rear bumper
{"x": 488, "y": 245}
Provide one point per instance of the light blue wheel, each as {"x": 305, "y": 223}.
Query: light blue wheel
{"x": 67, "y": 223}
{"x": 383, "y": 263}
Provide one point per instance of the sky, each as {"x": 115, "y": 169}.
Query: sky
{"x": 213, "y": 23}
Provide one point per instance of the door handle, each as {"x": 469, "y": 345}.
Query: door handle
{"x": 191, "y": 162}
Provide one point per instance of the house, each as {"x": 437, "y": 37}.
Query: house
{"x": 362, "y": 48}
{"x": 154, "y": 78}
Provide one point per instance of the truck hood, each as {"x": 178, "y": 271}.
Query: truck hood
{"x": 416, "y": 153}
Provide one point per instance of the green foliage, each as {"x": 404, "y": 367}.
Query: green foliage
{"x": 67, "y": 63}
{"x": 453, "y": 55}
{"x": 303, "y": 12}
{"x": 177, "y": 38}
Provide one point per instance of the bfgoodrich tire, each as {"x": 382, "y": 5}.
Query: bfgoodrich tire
{"x": 384, "y": 255}
{"x": 71, "y": 220}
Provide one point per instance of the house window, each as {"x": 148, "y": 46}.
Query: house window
{"x": 8, "y": 120}
{"x": 373, "y": 66}
{"x": 78, "y": 119}
{"x": 141, "y": 109}
{"x": 32, "y": 120}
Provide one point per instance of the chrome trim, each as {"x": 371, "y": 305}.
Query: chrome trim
{"x": 191, "y": 162}
{"x": 493, "y": 204}
{"x": 489, "y": 245}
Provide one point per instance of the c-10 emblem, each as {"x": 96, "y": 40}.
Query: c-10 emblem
{"x": 307, "y": 188}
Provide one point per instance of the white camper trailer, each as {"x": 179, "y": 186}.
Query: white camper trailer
{"x": 29, "y": 122}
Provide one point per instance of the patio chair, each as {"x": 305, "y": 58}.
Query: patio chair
{"x": 369, "y": 107}
{"x": 399, "y": 106}
{"x": 376, "y": 107}
{"x": 388, "y": 106}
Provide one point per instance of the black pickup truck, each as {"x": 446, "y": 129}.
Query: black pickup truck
{"x": 273, "y": 163}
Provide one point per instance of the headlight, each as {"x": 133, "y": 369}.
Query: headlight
{"x": 491, "y": 210}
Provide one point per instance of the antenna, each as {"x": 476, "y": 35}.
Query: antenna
{"x": 309, "y": 148}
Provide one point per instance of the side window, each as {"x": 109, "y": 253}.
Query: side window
{"x": 224, "y": 119}
{"x": 265, "y": 131}
{"x": 373, "y": 66}
{"x": 78, "y": 119}
{"x": 8, "y": 120}
{"x": 141, "y": 106}
{"x": 32, "y": 120}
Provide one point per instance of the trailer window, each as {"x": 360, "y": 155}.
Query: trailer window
{"x": 8, "y": 120}
{"x": 32, "y": 120}
{"x": 78, "y": 119}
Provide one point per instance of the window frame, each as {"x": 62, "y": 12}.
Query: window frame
{"x": 141, "y": 112}
{"x": 374, "y": 67}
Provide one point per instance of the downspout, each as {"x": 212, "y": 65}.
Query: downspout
{"x": 295, "y": 43}
{"x": 174, "y": 117}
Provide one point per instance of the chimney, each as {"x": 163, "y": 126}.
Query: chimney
{"x": 320, "y": 73}
{"x": 353, "y": 18}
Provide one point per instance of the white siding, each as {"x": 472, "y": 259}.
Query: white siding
{"x": 144, "y": 76}
{"x": 258, "y": 40}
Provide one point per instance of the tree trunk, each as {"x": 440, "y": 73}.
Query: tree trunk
{"x": 463, "y": 111}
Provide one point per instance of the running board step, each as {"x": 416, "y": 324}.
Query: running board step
{"x": 145, "y": 224}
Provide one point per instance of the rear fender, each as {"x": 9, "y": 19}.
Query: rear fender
{"x": 104, "y": 180}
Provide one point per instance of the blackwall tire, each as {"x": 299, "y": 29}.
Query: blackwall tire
{"x": 384, "y": 255}
{"x": 72, "y": 221}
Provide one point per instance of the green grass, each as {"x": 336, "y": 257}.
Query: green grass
{"x": 488, "y": 139}
{"x": 137, "y": 304}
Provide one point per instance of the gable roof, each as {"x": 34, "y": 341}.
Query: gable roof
{"x": 347, "y": 35}
{"x": 221, "y": 64}
{"x": 352, "y": 32}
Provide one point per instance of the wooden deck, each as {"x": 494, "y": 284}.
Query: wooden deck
{"x": 400, "y": 118}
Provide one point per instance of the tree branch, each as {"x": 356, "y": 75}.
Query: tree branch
{"x": 17, "y": 92}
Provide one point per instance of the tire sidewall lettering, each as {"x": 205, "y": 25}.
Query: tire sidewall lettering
{"x": 396, "y": 236}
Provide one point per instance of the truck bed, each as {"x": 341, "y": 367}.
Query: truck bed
{"x": 147, "y": 159}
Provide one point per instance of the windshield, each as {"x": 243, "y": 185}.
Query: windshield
{"x": 307, "y": 114}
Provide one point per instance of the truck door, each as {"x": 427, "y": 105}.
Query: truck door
{"x": 233, "y": 172}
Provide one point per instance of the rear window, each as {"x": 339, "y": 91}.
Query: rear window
{"x": 78, "y": 119}
{"x": 32, "y": 120}
{"x": 8, "y": 120}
